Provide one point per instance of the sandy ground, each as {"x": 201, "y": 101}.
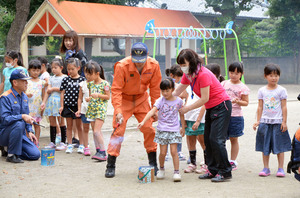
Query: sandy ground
{"x": 75, "y": 175}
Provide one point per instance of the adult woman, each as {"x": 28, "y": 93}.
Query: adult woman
{"x": 218, "y": 110}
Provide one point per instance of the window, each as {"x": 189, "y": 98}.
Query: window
{"x": 107, "y": 44}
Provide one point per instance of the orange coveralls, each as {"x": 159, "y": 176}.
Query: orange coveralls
{"x": 130, "y": 96}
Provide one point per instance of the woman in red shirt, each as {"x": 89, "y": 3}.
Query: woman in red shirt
{"x": 218, "y": 111}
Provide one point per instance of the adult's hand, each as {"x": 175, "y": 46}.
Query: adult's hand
{"x": 28, "y": 119}
{"x": 184, "y": 109}
{"x": 119, "y": 118}
{"x": 32, "y": 138}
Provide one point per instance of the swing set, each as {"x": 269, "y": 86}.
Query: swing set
{"x": 179, "y": 33}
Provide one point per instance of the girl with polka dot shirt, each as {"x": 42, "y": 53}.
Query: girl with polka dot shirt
{"x": 69, "y": 96}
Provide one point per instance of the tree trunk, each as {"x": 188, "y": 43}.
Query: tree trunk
{"x": 231, "y": 52}
{"x": 15, "y": 32}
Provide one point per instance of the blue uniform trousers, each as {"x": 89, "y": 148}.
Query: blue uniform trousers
{"x": 14, "y": 136}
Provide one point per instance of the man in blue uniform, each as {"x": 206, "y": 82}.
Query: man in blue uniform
{"x": 15, "y": 121}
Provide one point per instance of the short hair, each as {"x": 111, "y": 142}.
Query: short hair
{"x": 167, "y": 83}
{"x": 192, "y": 57}
{"x": 271, "y": 68}
{"x": 73, "y": 35}
{"x": 236, "y": 65}
{"x": 34, "y": 64}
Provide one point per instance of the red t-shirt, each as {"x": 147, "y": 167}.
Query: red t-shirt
{"x": 205, "y": 77}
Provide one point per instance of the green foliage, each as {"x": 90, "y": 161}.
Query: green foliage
{"x": 288, "y": 30}
{"x": 6, "y": 18}
{"x": 229, "y": 8}
{"x": 53, "y": 44}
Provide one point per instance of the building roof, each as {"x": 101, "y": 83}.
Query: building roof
{"x": 197, "y": 7}
{"x": 94, "y": 19}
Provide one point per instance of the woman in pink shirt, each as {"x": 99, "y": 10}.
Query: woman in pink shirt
{"x": 218, "y": 111}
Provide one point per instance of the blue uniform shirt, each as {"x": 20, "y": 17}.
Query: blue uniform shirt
{"x": 12, "y": 106}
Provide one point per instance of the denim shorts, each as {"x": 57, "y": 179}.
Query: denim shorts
{"x": 270, "y": 138}
{"x": 236, "y": 127}
{"x": 189, "y": 131}
{"x": 84, "y": 119}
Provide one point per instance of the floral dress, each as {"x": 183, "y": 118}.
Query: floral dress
{"x": 97, "y": 107}
{"x": 36, "y": 100}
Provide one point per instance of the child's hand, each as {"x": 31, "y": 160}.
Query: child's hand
{"x": 195, "y": 126}
{"x": 140, "y": 125}
{"x": 255, "y": 125}
{"x": 283, "y": 127}
{"x": 78, "y": 114}
{"x": 29, "y": 95}
{"x": 42, "y": 106}
{"x": 182, "y": 132}
{"x": 235, "y": 100}
{"x": 60, "y": 110}
{"x": 87, "y": 99}
{"x": 95, "y": 95}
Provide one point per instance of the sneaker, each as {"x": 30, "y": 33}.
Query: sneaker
{"x": 176, "y": 177}
{"x": 203, "y": 169}
{"x": 160, "y": 174}
{"x": 57, "y": 139}
{"x": 61, "y": 147}
{"x": 80, "y": 149}
{"x": 50, "y": 145}
{"x": 87, "y": 151}
{"x": 69, "y": 149}
{"x": 233, "y": 166}
{"x": 100, "y": 156}
{"x": 181, "y": 156}
{"x": 191, "y": 168}
{"x": 280, "y": 173}
{"x": 207, "y": 175}
{"x": 75, "y": 142}
{"x": 265, "y": 172}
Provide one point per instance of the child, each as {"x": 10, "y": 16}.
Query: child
{"x": 52, "y": 101}
{"x": 13, "y": 60}
{"x": 176, "y": 74}
{"x": 272, "y": 134}
{"x": 99, "y": 92}
{"x": 194, "y": 131}
{"x": 71, "y": 47}
{"x": 239, "y": 95}
{"x": 168, "y": 128}
{"x": 68, "y": 104}
{"x": 82, "y": 107}
{"x": 35, "y": 93}
{"x": 44, "y": 70}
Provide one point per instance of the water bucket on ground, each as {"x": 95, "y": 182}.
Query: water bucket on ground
{"x": 47, "y": 157}
{"x": 146, "y": 174}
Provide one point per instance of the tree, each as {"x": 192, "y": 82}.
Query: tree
{"x": 229, "y": 10}
{"x": 15, "y": 32}
{"x": 288, "y": 30}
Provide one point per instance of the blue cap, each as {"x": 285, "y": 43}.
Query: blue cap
{"x": 139, "y": 52}
{"x": 19, "y": 74}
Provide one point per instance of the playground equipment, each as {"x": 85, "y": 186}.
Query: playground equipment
{"x": 179, "y": 33}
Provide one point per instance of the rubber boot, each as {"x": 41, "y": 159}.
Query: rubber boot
{"x": 110, "y": 167}
{"x": 152, "y": 161}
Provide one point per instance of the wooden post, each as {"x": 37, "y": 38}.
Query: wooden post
{"x": 24, "y": 49}
{"x": 127, "y": 46}
{"x": 168, "y": 53}
{"x": 81, "y": 42}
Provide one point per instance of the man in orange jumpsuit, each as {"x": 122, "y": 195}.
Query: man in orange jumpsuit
{"x": 132, "y": 77}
